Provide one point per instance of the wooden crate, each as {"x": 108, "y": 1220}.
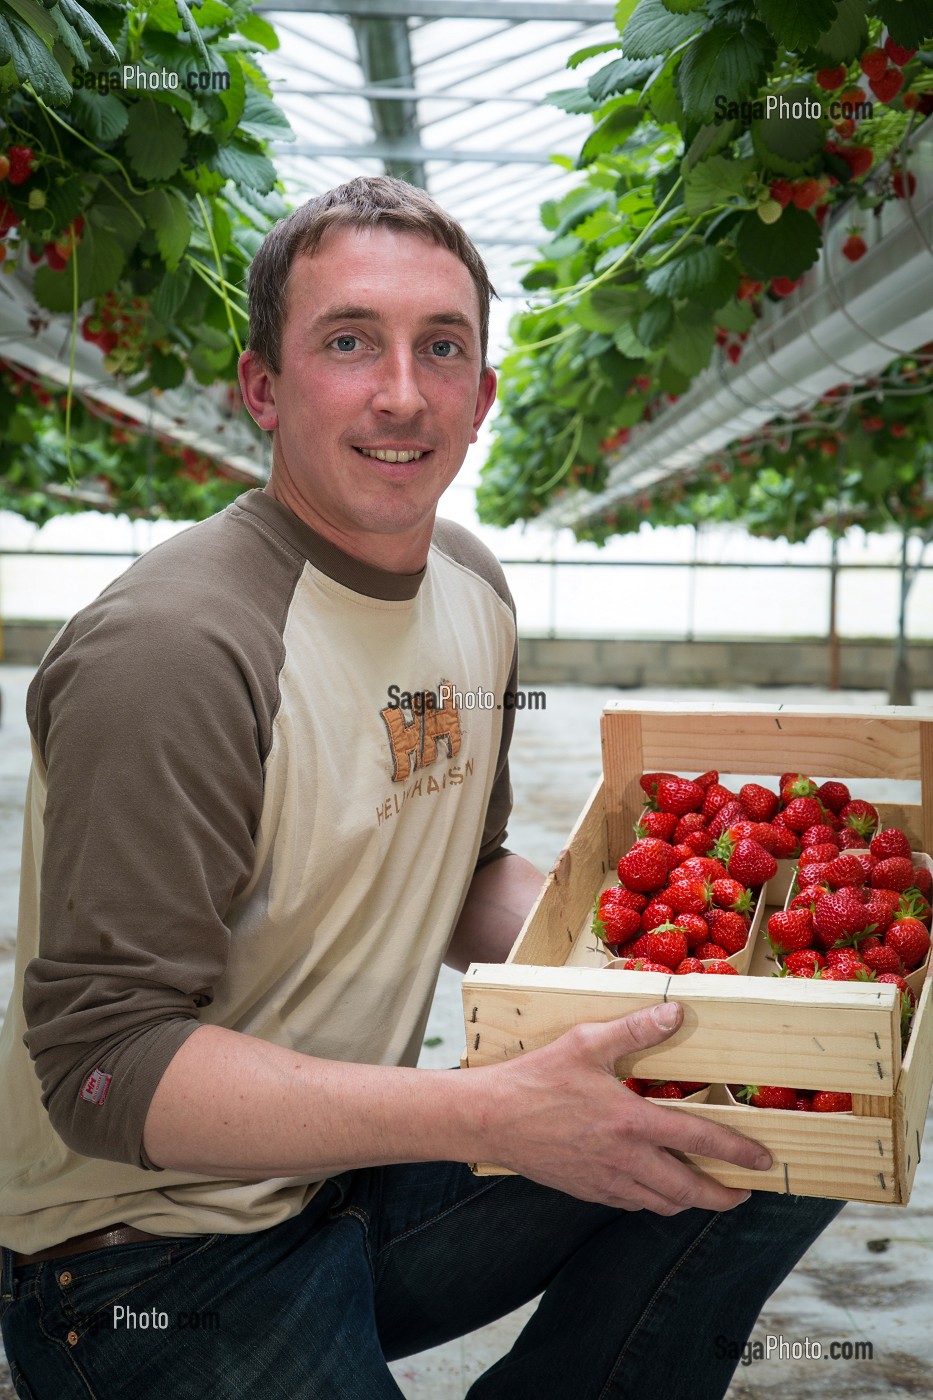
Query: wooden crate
{"x": 748, "y": 1029}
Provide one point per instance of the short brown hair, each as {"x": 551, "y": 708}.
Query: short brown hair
{"x": 366, "y": 202}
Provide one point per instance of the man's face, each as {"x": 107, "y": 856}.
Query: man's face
{"x": 380, "y": 359}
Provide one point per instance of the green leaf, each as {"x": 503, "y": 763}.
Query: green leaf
{"x": 574, "y": 100}
{"x": 155, "y": 140}
{"x": 244, "y": 167}
{"x": 725, "y": 63}
{"x": 621, "y": 75}
{"x": 626, "y": 340}
{"x": 34, "y": 64}
{"x": 64, "y": 199}
{"x": 782, "y": 249}
{"x": 263, "y": 120}
{"x": 683, "y": 7}
{"x": 653, "y": 30}
{"x": 233, "y": 101}
{"x": 259, "y": 31}
{"x": 736, "y": 316}
{"x": 655, "y": 322}
{"x": 171, "y": 293}
{"x": 605, "y": 309}
{"x": 89, "y": 29}
{"x": 101, "y": 116}
{"x": 714, "y": 181}
{"x": 788, "y": 144}
{"x": 690, "y": 346}
{"x": 908, "y": 21}
{"x": 167, "y": 371}
{"x": 192, "y": 29}
{"x": 609, "y": 134}
{"x": 710, "y": 139}
{"x": 683, "y": 275}
{"x": 70, "y": 39}
{"x": 845, "y": 39}
{"x": 796, "y": 24}
{"x": 592, "y": 51}
{"x": 100, "y": 261}
{"x": 168, "y": 217}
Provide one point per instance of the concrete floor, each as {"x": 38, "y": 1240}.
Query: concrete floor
{"x": 870, "y": 1275}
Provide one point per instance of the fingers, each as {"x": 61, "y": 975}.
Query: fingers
{"x": 703, "y": 1139}
{"x": 639, "y": 1030}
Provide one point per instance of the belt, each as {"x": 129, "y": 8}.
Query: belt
{"x": 80, "y": 1244}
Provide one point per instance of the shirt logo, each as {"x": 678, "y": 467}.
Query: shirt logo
{"x": 414, "y": 734}
{"x": 96, "y": 1086}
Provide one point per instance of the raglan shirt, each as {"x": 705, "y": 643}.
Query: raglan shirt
{"x": 240, "y": 814}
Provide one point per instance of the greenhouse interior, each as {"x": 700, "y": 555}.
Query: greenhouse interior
{"x": 580, "y": 354}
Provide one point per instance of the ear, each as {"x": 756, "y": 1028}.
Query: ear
{"x": 485, "y": 398}
{"x": 257, "y": 384}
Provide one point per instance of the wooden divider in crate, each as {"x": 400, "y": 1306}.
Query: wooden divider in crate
{"x": 746, "y": 1029}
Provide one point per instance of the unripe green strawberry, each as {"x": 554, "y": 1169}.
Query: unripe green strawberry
{"x": 770, "y": 211}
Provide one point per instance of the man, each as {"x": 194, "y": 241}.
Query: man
{"x": 243, "y": 866}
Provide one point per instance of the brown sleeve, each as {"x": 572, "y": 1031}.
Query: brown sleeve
{"x": 152, "y": 715}
{"x": 459, "y": 544}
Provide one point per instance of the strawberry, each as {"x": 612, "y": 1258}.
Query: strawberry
{"x": 681, "y": 853}
{"x": 802, "y": 812}
{"x": 894, "y": 979}
{"x": 639, "y": 949}
{"x": 645, "y": 867}
{"x": 670, "y": 1090}
{"x": 923, "y": 881}
{"x": 859, "y": 159}
{"x": 636, "y": 1086}
{"x": 890, "y": 842}
{"x": 731, "y": 931}
{"x": 880, "y": 909}
{"x": 679, "y": 795}
{"x": 860, "y": 816}
{"x": 880, "y": 957}
{"x": 790, "y": 930}
{"x": 828, "y": 1101}
{"x": 838, "y": 917}
{"x": 721, "y": 967}
{"x": 689, "y": 822}
{"x": 649, "y": 782}
{"x": 694, "y": 927}
{"x": 657, "y": 912}
{"x": 768, "y": 1096}
{"x": 804, "y": 962}
{"x": 781, "y": 191}
{"x": 706, "y": 951}
{"x": 873, "y": 63}
{"x": 824, "y": 853}
{"x": 688, "y": 896}
{"x": 850, "y": 840}
{"x": 699, "y": 841}
{"x": 760, "y": 803}
{"x": 689, "y": 965}
{"x": 807, "y": 896}
{"x": 630, "y": 899}
{"x": 731, "y": 894}
{"x": 715, "y": 797}
{"x": 834, "y": 796}
{"x": 833, "y": 974}
{"x": 849, "y": 960}
{"x": 613, "y": 923}
{"x": 734, "y": 351}
{"x": 726, "y": 817}
{"x": 667, "y": 944}
{"x": 806, "y": 192}
{"x": 893, "y": 873}
{"x": 887, "y": 85}
{"x": 642, "y": 965}
{"x": 699, "y": 868}
{"x": 22, "y": 163}
{"x": 810, "y": 872}
{"x": 896, "y": 53}
{"x": 897, "y": 184}
{"x": 854, "y": 247}
{"x": 661, "y": 825}
{"x": 707, "y": 779}
{"x": 829, "y": 79}
{"x": 910, "y": 941}
{"x": 817, "y": 835}
{"x": 689, "y": 1087}
{"x": 804, "y": 1101}
{"x": 844, "y": 870}
{"x": 752, "y": 864}
{"x": 784, "y": 842}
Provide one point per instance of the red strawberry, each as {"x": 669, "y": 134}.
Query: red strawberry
{"x": 699, "y": 868}
{"x": 880, "y": 909}
{"x": 881, "y": 958}
{"x": 893, "y": 873}
{"x": 844, "y": 870}
{"x": 752, "y": 864}
{"x": 894, "y": 979}
{"x": 860, "y": 816}
{"x": 731, "y": 931}
{"x": 807, "y": 896}
{"x": 784, "y": 842}
{"x": 705, "y": 951}
{"x": 645, "y": 867}
{"x": 810, "y": 872}
{"x": 898, "y": 185}
{"x": 689, "y": 822}
{"x": 670, "y": 1090}
{"x": 859, "y": 159}
{"x": 790, "y": 930}
{"x": 695, "y": 927}
{"x": 806, "y": 192}
{"x": 731, "y": 894}
{"x": 896, "y": 53}
{"x": 707, "y": 779}
{"x": 887, "y": 85}
{"x": 642, "y": 965}
{"x": 834, "y": 795}
{"x": 804, "y": 1101}
{"x": 681, "y": 853}
{"x": 636, "y": 1086}
{"x": 781, "y": 191}
{"x": 726, "y": 816}
{"x": 689, "y": 965}
{"x": 699, "y": 841}
{"x": 849, "y": 960}
{"x": 688, "y": 896}
{"x": 721, "y": 967}
{"x": 890, "y": 842}
{"x": 817, "y": 835}
{"x": 829, "y": 79}
{"x": 768, "y": 1096}
{"x": 614, "y": 922}
{"x": 793, "y": 785}
{"x": 658, "y": 824}
{"x": 649, "y": 782}
{"x": 22, "y": 163}
{"x": 667, "y": 945}
{"x": 689, "y": 1087}
{"x": 824, "y": 853}
{"x": 838, "y": 917}
{"x": 657, "y": 912}
{"x": 850, "y": 840}
{"x": 923, "y": 880}
{"x": 828, "y": 1101}
{"x": 804, "y": 963}
{"x": 833, "y": 974}
{"x": 802, "y": 812}
{"x": 854, "y": 247}
{"x": 715, "y": 797}
{"x": 910, "y": 941}
{"x": 873, "y": 63}
{"x": 679, "y": 795}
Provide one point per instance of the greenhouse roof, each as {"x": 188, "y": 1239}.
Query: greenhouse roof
{"x": 445, "y": 93}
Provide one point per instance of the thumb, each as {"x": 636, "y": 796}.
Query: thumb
{"x": 637, "y": 1031}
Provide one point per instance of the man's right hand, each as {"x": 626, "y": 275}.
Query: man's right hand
{"x": 560, "y": 1117}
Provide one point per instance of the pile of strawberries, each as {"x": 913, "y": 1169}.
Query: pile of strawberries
{"x": 663, "y": 1088}
{"x": 803, "y": 1100}
{"x": 686, "y": 887}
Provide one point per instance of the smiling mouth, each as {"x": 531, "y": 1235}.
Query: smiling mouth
{"x": 388, "y": 454}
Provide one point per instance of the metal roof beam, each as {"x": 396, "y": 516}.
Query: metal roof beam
{"x": 413, "y": 152}
{"x": 591, "y": 11}
{"x": 385, "y": 57}
{"x": 383, "y": 93}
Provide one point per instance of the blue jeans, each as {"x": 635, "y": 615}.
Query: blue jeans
{"x": 389, "y": 1261}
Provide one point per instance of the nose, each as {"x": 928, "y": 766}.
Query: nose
{"x": 398, "y": 389}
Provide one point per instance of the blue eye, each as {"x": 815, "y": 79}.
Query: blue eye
{"x": 443, "y": 348}
{"x": 345, "y": 342}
